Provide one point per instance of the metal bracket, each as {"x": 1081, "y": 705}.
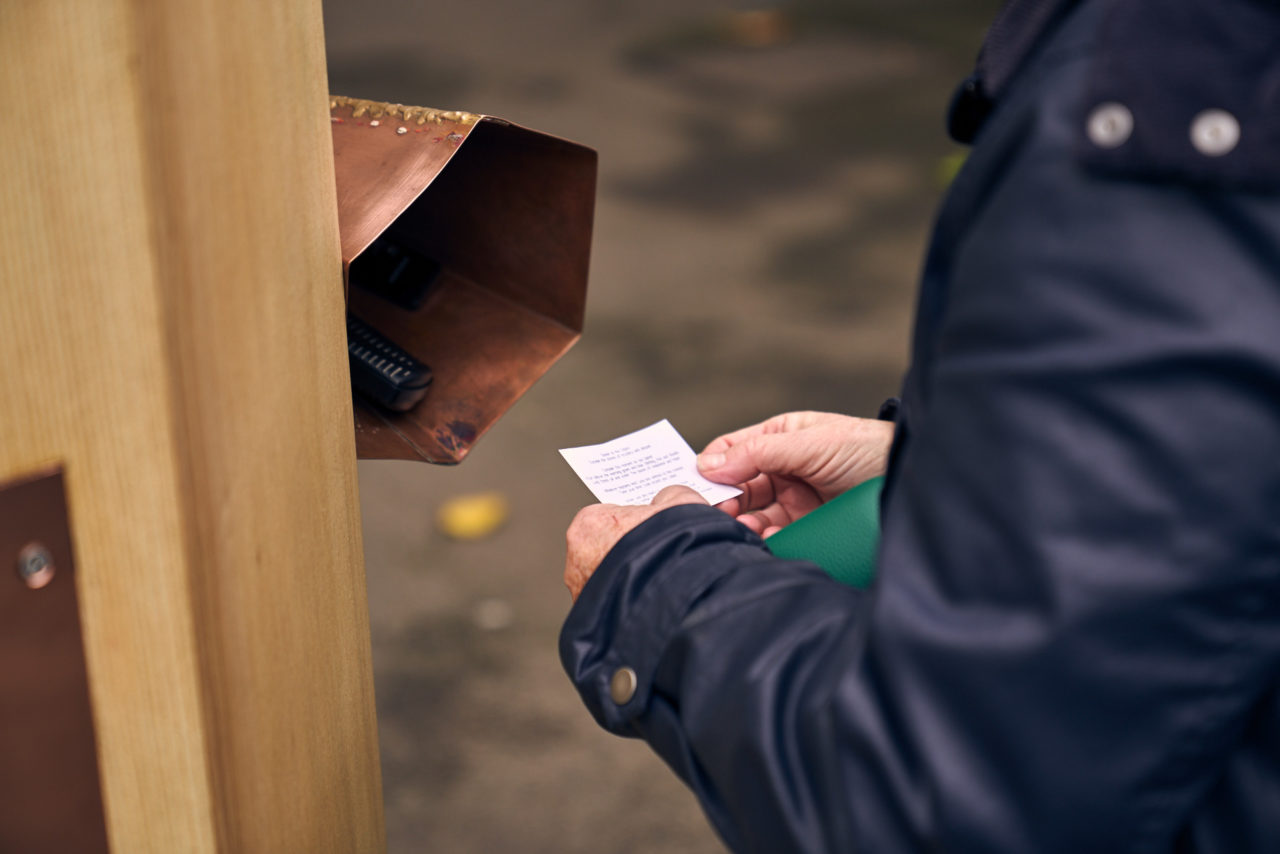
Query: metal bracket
{"x": 50, "y": 793}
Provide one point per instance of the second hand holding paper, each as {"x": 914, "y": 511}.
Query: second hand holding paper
{"x": 632, "y": 469}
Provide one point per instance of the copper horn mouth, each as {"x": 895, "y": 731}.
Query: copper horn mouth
{"x": 469, "y": 239}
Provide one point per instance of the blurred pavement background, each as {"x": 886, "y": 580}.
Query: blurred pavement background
{"x": 768, "y": 175}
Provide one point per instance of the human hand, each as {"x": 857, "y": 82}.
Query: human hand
{"x": 598, "y": 527}
{"x": 793, "y": 463}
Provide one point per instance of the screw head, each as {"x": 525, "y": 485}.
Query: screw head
{"x": 35, "y": 565}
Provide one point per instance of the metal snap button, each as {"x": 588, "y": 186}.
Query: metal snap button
{"x": 622, "y": 687}
{"x": 1109, "y": 125}
{"x": 1215, "y": 132}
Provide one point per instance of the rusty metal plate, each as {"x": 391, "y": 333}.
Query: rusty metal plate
{"x": 507, "y": 212}
{"x": 50, "y": 794}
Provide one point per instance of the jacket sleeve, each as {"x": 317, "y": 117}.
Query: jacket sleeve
{"x": 1076, "y": 613}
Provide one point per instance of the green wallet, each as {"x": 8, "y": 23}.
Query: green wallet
{"x": 842, "y": 536}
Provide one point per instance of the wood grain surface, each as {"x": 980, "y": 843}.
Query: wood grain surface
{"x": 171, "y": 330}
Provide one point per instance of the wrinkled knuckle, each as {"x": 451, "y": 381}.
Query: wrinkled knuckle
{"x": 572, "y": 576}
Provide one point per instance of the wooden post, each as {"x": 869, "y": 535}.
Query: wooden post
{"x": 171, "y": 332}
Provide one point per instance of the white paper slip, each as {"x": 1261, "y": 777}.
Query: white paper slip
{"x": 633, "y": 468}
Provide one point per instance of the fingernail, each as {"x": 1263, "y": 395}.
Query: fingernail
{"x": 707, "y": 462}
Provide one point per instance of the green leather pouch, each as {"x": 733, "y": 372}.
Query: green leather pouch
{"x": 841, "y": 536}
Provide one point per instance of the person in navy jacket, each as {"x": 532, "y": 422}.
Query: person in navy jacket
{"x": 1073, "y": 640}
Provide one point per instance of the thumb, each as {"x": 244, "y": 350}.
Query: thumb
{"x": 768, "y": 453}
{"x": 673, "y": 495}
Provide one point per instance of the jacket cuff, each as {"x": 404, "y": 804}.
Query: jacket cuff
{"x": 638, "y": 597}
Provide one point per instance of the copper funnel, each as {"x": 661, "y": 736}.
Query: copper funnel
{"x": 506, "y": 213}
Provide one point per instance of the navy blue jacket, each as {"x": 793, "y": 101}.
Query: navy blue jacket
{"x": 1073, "y": 642}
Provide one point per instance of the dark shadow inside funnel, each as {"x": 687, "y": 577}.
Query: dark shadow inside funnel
{"x": 508, "y": 222}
